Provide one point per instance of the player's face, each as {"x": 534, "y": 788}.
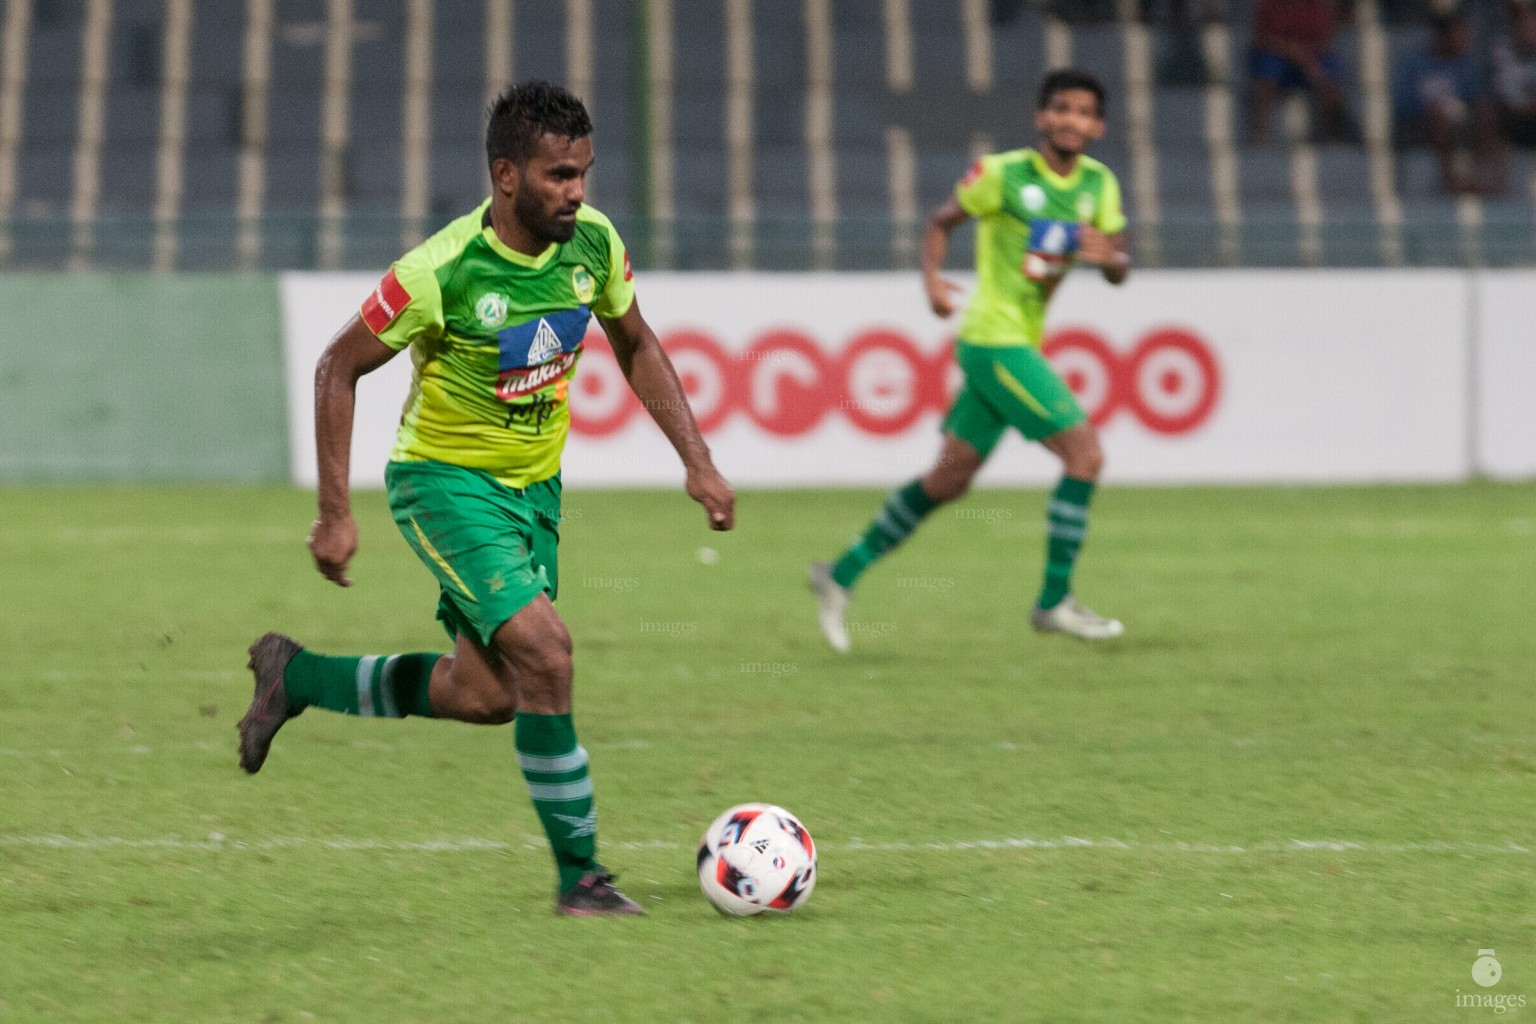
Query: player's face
{"x": 1070, "y": 120}
{"x": 552, "y": 187}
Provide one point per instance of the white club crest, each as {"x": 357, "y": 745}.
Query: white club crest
{"x": 492, "y": 309}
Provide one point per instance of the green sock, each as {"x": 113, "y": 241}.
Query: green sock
{"x": 376, "y": 686}
{"x": 555, "y": 766}
{"x": 896, "y": 520}
{"x": 1066, "y": 524}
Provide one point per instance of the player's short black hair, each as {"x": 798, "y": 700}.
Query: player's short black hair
{"x": 527, "y": 112}
{"x": 1063, "y": 79}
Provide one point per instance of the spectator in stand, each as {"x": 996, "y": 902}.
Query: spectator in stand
{"x": 1514, "y": 77}
{"x": 1440, "y": 99}
{"x": 1292, "y": 48}
{"x": 1183, "y": 60}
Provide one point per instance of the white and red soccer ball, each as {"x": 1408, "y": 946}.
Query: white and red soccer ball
{"x": 757, "y": 857}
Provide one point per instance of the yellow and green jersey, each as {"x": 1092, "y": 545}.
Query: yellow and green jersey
{"x": 495, "y": 336}
{"x": 1028, "y": 221}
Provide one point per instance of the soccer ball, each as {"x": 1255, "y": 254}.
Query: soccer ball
{"x": 757, "y": 857}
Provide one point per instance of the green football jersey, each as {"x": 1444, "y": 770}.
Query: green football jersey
{"x": 1028, "y": 221}
{"x": 495, "y": 337}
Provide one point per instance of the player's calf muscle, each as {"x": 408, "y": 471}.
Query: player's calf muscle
{"x": 472, "y": 693}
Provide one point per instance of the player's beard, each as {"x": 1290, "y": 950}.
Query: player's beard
{"x": 546, "y": 227}
{"x": 1063, "y": 152}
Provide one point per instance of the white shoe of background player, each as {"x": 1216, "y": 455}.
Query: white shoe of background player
{"x": 833, "y": 598}
{"x": 1075, "y": 620}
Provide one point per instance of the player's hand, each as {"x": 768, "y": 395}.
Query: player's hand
{"x": 333, "y": 542}
{"x": 1094, "y": 246}
{"x": 707, "y": 487}
{"x": 942, "y": 295}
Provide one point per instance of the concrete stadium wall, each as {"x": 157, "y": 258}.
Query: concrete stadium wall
{"x": 140, "y": 377}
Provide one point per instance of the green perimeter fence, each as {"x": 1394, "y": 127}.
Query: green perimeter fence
{"x": 134, "y": 377}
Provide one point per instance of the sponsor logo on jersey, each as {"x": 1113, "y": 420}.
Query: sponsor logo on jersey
{"x": 492, "y": 309}
{"x": 385, "y": 303}
{"x": 972, "y": 175}
{"x": 629, "y": 271}
{"x": 514, "y": 384}
{"x": 539, "y": 352}
{"x": 582, "y": 284}
{"x": 1087, "y": 203}
{"x": 1052, "y": 244}
{"x": 545, "y": 344}
{"x": 1033, "y": 198}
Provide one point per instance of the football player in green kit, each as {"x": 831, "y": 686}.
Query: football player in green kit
{"x": 494, "y": 308}
{"x": 1038, "y": 211}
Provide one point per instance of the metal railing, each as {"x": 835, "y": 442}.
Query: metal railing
{"x": 370, "y": 240}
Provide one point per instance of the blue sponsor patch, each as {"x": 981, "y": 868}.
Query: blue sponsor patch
{"x": 1052, "y": 244}
{"x": 1053, "y": 237}
{"x": 543, "y": 338}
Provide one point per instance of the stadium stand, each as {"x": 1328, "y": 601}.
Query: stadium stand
{"x": 246, "y": 134}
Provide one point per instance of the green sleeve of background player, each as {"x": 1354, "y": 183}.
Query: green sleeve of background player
{"x": 1111, "y": 217}
{"x": 980, "y": 192}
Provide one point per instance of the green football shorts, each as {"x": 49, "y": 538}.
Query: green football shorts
{"x": 1009, "y": 386}
{"x": 491, "y": 547}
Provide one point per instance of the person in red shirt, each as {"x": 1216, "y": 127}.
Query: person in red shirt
{"x": 1292, "y": 48}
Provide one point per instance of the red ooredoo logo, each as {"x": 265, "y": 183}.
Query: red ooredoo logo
{"x": 882, "y": 382}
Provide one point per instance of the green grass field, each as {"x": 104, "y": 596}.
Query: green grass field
{"x": 1300, "y": 789}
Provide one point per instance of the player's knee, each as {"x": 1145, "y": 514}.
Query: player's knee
{"x": 544, "y": 687}
{"x": 544, "y": 665}
{"x": 949, "y": 481}
{"x": 1081, "y": 455}
{"x": 1090, "y": 464}
{"x": 947, "y": 487}
{"x": 552, "y": 663}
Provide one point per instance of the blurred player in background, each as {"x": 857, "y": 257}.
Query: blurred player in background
{"x": 1040, "y": 211}
{"x": 494, "y": 308}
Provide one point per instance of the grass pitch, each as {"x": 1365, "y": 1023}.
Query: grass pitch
{"x": 1299, "y": 789}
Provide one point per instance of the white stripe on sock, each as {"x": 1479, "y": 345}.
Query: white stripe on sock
{"x": 560, "y": 763}
{"x": 888, "y": 525}
{"x": 559, "y": 791}
{"x": 365, "y": 685}
{"x": 898, "y": 505}
{"x": 386, "y": 691}
{"x": 1067, "y": 510}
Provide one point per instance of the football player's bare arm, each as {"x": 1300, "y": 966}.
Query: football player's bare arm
{"x": 942, "y": 292}
{"x": 354, "y": 351}
{"x": 654, "y": 381}
{"x": 1107, "y": 252}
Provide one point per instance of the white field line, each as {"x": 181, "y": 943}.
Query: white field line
{"x": 1205, "y": 743}
{"x": 125, "y": 535}
{"x": 210, "y": 675}
{"x": 218, "y": 843}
